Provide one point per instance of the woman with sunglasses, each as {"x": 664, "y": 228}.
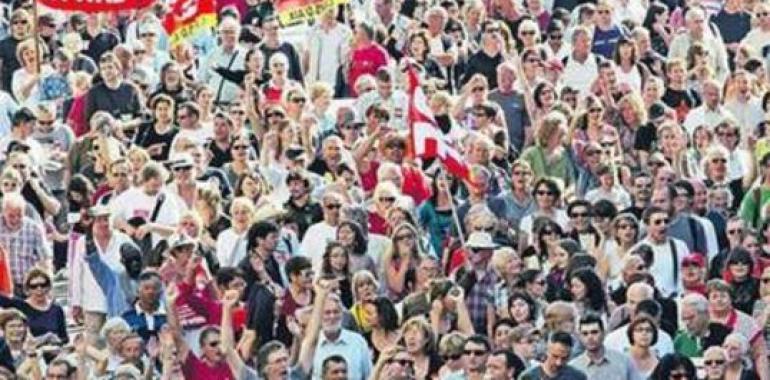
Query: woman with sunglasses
{"x": 589, "y": 126}
{"x": 44, "y": 315}
{"x": 242, "y": 163}
{"x": 400, "y": 261}
{"x": 625, "y": 234}
{"x": 674, "y": 366}
{"x": 547, "y": 195}
{"x": 738, "y": 274}
{"x": 761, "y": 311}
{"x": 385, "y": 196}
{"x": 546, "y": 232}
{"x": 714, "y": 363}
{"x": 450, "y": 348}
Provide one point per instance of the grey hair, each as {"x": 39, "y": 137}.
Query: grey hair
{"x": 648, "y": 290}
{"x": 697, "y": 301}
{"x": 112, "y": 324}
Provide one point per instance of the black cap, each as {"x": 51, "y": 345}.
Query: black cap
{"x": 657, "y": 111}
{"x": 23, "y": 115}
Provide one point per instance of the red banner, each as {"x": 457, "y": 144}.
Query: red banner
{"x": 189, "y": 17}
{"x": 95, "y": 6}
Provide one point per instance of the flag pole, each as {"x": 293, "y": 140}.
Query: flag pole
{"x": 453, "y": 208}
{"x": 36, "y": 31}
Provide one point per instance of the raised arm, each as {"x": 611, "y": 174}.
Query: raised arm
{"x": 307, "y": 351}
{"x": 227, "y": 336}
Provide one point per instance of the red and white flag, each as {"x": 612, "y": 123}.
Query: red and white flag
{"x": 427, "y": 139}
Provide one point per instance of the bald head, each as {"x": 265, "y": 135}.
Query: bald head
{"x": 637, "y": 293}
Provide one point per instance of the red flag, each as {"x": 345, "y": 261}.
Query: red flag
{"x": 427, "y": 139}
{"x": 96, "y": 6}
{"x": 189, "y": 17}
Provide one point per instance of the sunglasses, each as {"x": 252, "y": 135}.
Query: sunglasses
{"x": 624, "y": 226}
{"x": 451, "y": 357}
{"x": 20, "y": 22}
{"x": 120, "y": 174}
{"x": 544, "y": 192}
{"x": 274, "y": 114}
{"x": 713, "y": 362}
{"x": 401, "y": 362}
{"x": 299, "y": 100}
{"x": 332, "y": 206}
{"x": 579, "y": 215}
{"x": 477, "y": 89}
{"x": 182, "y": 169}
{"x": 240, "y": 147}
{"x": 387, "y": 199}
{"x": 528, "y": 32}
{"x": 594, "y": 110}
{"x": 38, "y": 285}
{"x": 404, "y": 237}
{"x": 557, "y": 36}
{"x": 718, "y": 161}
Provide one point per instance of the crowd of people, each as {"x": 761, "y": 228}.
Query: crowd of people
{"x": 248, "y": 203}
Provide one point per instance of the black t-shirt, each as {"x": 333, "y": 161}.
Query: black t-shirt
{"x": 147, "y": 136}
{"x": 122, "y": 103}
{"x": 295, "y": 68}
{"x": 219, "y": 156}
{"x": 681, "y": 101}
{"x": 9, "y": 61}
{"x": 481, "y": 63}
{"x": 732, "y": 26}
{"x": 646, "y": 137}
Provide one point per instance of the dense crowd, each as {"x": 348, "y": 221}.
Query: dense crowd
{"x": 252, "y": 202}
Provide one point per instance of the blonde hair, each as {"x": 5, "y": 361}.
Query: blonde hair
{"x": 635, "y": 102}
{"x": 552, "y": 123}
{"x": 501, "y": 257}
{"x": 242, "y": 202}
{"x": 421, "y": 323}
{"x": 319, "y": 89}
{"x": 29, "y": 44}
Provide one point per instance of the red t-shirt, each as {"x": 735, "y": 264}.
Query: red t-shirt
{"x": 365, "y": 60}
{"x": 195, "y": 368}
{"x": 377, "y": 224}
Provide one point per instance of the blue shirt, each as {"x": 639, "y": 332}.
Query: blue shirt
{"x": 351, "y": 346}
{"x": 605, "y": 41}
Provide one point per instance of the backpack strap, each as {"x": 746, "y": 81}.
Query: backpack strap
{"x": 675, "y": 259}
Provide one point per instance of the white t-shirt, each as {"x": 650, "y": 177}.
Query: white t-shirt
{"x": 662, "y": 269}
{"x": 135, "y": 202}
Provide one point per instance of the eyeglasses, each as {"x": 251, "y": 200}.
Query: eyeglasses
{"x": 713, "y": 362}
{"x": 147, "y": 34}
{"x": 38, "y": 285}
{"x": 401, "y": 362}
{"x": 451, "y": 357}
{"x": 475, "y": 352}
{"x": 625, "y": 226}
{"x": 592, "y": 152}
{"x": 332, "y": 206}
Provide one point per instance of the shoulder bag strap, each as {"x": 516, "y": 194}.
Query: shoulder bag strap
{"x": 675, "y": 259}
{"x": 158, "y": 204}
